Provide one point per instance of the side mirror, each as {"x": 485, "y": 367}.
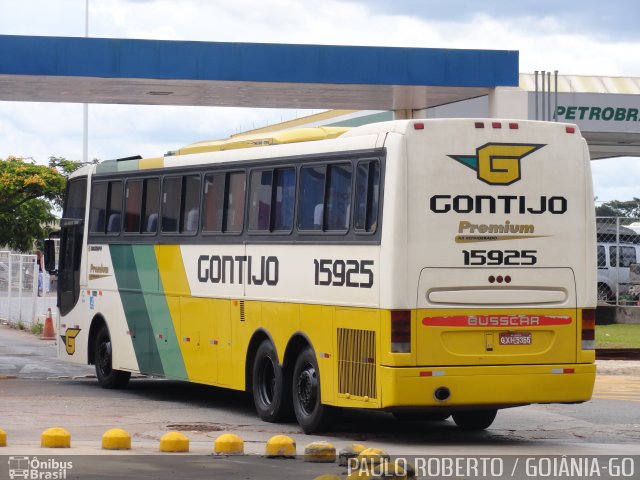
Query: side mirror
{"x": 50, "y": 256}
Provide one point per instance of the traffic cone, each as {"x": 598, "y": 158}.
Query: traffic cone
{"x": 48, "y": 333}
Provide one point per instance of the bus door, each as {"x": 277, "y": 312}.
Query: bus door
{"x": 71, "y": 240}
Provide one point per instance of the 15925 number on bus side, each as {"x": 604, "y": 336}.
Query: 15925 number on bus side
{"x": 500, "y": 257}
{"x": 344, "y": 273}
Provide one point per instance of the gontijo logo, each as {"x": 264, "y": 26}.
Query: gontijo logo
{"x": 497, "y": 163}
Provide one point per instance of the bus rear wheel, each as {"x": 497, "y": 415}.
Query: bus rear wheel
{"x": 474, "y": 420}
{"x": 103, "y": 357}
{"x": 311, "y": 414}
{"x": 270, "y": 385}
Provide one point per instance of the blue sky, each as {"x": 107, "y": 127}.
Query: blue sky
{"x": 574, "y": 37}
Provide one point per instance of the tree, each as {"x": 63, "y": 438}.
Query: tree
{"x": 28, "y": 194}
{"x": 618, "y": 208}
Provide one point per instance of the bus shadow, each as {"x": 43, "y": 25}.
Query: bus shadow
{"x": 352, "y": 425}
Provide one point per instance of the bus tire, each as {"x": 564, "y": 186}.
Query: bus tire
{"x": 474, "y": 420}
{"x": 311, "y": 414}
{"x": 270, "y": 385}
{"x": 103, "y": 355}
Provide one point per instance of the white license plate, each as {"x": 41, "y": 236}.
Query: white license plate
{"x": 515, "y": 338}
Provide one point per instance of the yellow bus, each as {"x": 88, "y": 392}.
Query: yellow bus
{"x": 429, "y": 268}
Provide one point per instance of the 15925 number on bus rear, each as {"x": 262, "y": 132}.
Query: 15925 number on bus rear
{"x": 500, "y": 257}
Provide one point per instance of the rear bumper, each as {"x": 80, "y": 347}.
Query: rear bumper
{"x": 491, "y": 386}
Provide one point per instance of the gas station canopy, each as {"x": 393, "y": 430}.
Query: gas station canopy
{"x": 159, "y": 72}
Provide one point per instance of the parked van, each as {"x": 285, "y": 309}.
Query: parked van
{"x": 614, "y": 269}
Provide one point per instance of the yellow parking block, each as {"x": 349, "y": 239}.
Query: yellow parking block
{"x": 281, "y": 446}
{"x": 55, "y": 437}
{"x": 228, "y": 444}
{"x": 116, "y": 439}
{"x": 174, "y": 442}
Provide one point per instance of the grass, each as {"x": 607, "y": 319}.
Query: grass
{"x": 618, "y": 336}
{"x": 36, "y": 328}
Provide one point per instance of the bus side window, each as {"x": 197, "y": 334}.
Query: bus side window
{"x": 171, "y": 195}
{"x": 150, "y": 205}
{"x": 114, "y": 215}
{"x": 284, "y": 199}
{"x": 98, "y": 218}
{"x": 132, "y": 206}
{"x": 337, "y": 206}
{"x": 190, "y": 214}
{"x": 311, "y": 203}
{"x": 213, "y": 202}
{"x": 260, "y": 203}
{"x": 234, "y": 209}
{"x": 223, "y": 207}
{"x": 367, "y": 196}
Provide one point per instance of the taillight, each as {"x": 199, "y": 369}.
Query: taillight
{"x": 400, "y": 331}
{"x": 588, "y": 329}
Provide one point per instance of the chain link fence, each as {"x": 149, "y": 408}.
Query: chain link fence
{"x": 25, "y": 292}
{"x": 618, "y": 261}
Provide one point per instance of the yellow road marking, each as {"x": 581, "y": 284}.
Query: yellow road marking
{"x": 617, "y": 387}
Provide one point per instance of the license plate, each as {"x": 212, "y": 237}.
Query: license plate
{"x": 515, "y": 338}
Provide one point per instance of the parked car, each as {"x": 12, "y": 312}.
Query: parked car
{"x": 614, "y": 269}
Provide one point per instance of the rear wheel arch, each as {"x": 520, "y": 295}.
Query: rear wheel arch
{"x": 298, "y": 342}
{"x": 257, "y": 338}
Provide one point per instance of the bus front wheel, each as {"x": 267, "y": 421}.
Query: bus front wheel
{"x": 474, "y": 420}
{"x": 103, "y": 357}
{"x": 311, "y": 414}
{"x": 270, "y": 385}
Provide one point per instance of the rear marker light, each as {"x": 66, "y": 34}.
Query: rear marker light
{"x": 507, "y": 279}
{"x": 418, "y": 126}
{"x": 400, "y": 331}
{"x": 588, "y": 328}
{"x": 432, "y": 373}
{"x": 563, "y": 371}
{"x": 513, "y": 126}
{"x": 492, "y": 279}
{"x": 499, "y": 279}
{"x": 496, "y": 125}
{"x": 479, "y": 125}
{"x": 571, "y": 130}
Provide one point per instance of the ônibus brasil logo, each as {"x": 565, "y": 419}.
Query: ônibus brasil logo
{"x": 497, "y": 163}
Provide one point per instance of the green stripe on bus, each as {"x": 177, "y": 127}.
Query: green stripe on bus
{"x": 165, "y": 336}
{"x": 135, "y": 309}
{"x": 128, "y": 165}
{"x": 111, "y": 166}
{"x": 107, "y": 167}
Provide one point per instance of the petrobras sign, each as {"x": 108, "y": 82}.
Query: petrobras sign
{"x": 596, "y": 112}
